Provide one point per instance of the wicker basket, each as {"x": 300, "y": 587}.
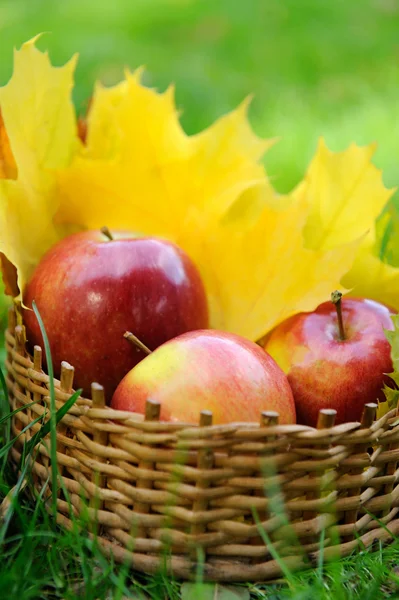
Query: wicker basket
{"x": 170, "y": 495}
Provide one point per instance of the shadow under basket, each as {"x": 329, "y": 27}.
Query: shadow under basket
{"x": 233, "y": 500}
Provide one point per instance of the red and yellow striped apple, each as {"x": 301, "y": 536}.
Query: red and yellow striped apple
{"x": 90, "y": 289}
{"x": 332, "y": 366}
{"x": 208, "y": 370}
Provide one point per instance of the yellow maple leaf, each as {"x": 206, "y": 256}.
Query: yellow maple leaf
{"x": 141, "y": 170}
{"x": 370, "y": 277}
{"x": 39, "y": 119}
{"x": 391, "y": 392}
{"x": 8, "y": 168}
{"x": 145, "y": 173}
{"x": 262, "y": 257}
{"x": 138, "y": 169}
{"x": 346, "y": 194}
{"x": 256, "y": 268}
{"x": 309, "y": 241}
{"x": 375, "y": 272}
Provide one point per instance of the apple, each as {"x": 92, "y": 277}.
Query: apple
{"x": 208, "y": 370}
{"x": 92, "y": 286}
{"x": 335, "y": 357}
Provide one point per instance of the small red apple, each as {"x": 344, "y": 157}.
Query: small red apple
{"x": 208, "y": 370}
{"x": 90, "y": 289}
{"x": 334, "y": 359}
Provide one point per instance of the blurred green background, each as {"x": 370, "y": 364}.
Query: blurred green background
{"x": 315, "y": 67}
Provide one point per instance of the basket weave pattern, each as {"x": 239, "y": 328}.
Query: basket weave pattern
{"x": 170, "y": 494}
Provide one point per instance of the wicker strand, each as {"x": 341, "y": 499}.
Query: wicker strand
{"x": 152, "y": 412}
{"x": 101, "y": 438}
{"x": 66, "y": 386}
{"x": 12, "y": 322}
{"x": 20, "y": 341}
{"x": 325, "y": 420}
{"x": 37, "y": 396}
{"x": 268, "y": 418}
{"x": 204, "y": 461}
{"x": 367, "y": 419}
{"x": 391, "y": 467}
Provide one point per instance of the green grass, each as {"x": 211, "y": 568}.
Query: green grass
{"x": 315, "y": 68}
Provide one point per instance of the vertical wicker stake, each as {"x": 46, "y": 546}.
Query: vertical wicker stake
{"x": 391, "y": 466}
{"x": 204, "y": 461}
{"x": 152, "y": 412}
{"x": 99, "y": 437}
{"x": 18, "y": 311}
{"x": 37, "y": 362}
{"x": 12, "y": 320}
{"x": 20, "y": 340}
{"x": 268, "y": 418}
{"x": 66, "y": 386}
{"x": 37, "y": 366}
{"x": 31, "y": 397}
{"x": 325, "y": 420}
{"x": 37, "y": 396}
{"x": 66, "y": 379}
{"x": 368, "y": 417}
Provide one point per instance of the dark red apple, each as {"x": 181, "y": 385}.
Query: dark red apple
{"x": 208, "y": 370}
{"x": 327, "y": 368}
{"x": 90, "y": 289}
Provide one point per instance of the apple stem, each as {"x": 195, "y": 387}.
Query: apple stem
{"x": 336, "y": 299}
{"x": 105, "y": 231}
{"x": 136, "y": 342}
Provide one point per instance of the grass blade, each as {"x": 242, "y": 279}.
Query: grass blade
{"x": 5, "y": 410}
{"x": 11, "y": 509}
{"x": 16, "y": 411}
{"x": 279, "y": 560}
{"x": 4, "y": 450}
{"x": 53, "y": 418}
{"x": 45, "y": 430}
